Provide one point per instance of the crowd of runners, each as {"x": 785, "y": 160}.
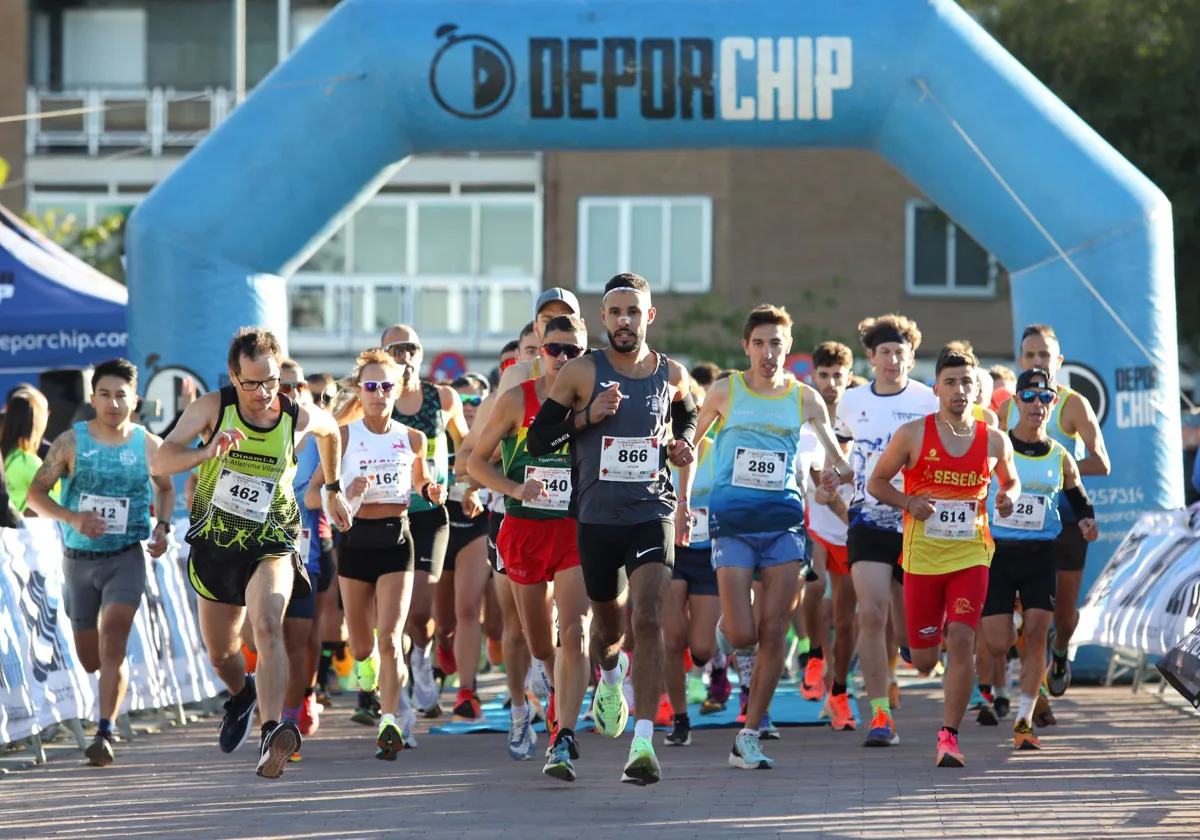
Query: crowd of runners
{"x": 599, "y": 520}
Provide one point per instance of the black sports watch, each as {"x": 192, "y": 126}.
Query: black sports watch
{"x": 163, "y": 524}
{"x": 334, "y": 486}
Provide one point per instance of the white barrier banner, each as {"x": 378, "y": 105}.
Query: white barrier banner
{"x": 1148, "y": 596}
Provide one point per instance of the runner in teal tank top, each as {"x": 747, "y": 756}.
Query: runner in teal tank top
{"x": 756, "y": 510}
{"x": 105, "y": 512}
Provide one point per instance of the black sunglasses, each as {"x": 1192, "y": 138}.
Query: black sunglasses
{"x": 288, "y": 387}
{"x": 1044, "y": 397}
{"x": 400, "y": 348}
{"x": 323, "y": 398}
{"x": 554, "y": 349}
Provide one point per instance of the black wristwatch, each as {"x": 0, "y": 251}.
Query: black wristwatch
{"x": 425, "y": 492}
{"x": 162, "y": 524}
{"x": 334, "y": 486}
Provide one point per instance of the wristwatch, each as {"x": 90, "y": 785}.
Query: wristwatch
{"x": 163, "y": 524}
{"x": 334, "y": 486}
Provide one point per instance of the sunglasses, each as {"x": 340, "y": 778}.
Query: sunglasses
{"x": 254, "y": 384}
{"x": 400, "y": 348}
{"x": 370, "y": 386}
{"x": 471, "y": 399}
{"x": 288, "y": 387}
{"x": 324, "y": 399}
{"x": 554, "y": 349}
{"x": 1044, "y": 397}
{"x": 506, "y": 364}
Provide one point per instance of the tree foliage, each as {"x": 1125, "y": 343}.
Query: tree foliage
{"x": 1131, "y": 69}
{"x": 100, "y": 246}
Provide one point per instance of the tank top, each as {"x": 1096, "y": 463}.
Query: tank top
{"x": 822, "y": 521}
{"x": 956, "y": 536}
{"x": 554, "y": 470}
{"x": 621, "y": 474}
{"x": 756, "y": 487}
{"x": 702, "y": 482}
{"x": 244, "y": 499}
{"x": 1072, "y": 443}
{"x": 308, "y": 460}
{"x": 1035, "y": 515}
{"x": 114, "y": 481}
{"x": 431, "y": 420}
{"x": 386, "y": 459}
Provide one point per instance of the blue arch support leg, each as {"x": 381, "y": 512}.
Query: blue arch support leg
{"x": 917, "y": 81}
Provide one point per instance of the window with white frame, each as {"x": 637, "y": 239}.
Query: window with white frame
{"x": 942, "y": 258}
{"x": 666, "y": 240}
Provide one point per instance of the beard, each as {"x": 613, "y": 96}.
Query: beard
{"x": 630, "y": 348}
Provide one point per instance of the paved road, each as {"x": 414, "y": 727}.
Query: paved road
{"x": 1117, "y": 765}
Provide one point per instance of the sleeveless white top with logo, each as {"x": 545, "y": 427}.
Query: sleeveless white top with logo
{"x": 386, "y": 459}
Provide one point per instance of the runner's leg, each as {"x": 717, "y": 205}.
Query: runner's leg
{"x": 267, "y": 596}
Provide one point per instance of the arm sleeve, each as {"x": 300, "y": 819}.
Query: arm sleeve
{"x": 684, "y": 416}
{"x": 1077, "y": 497}
{"x": 550, "y": 430}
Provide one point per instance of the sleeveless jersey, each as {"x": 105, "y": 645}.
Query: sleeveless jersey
{"x": 1036, "y": 513}
{"x": 822, "y": 521}
{"x": 1072, "y": 443}
{"x": 869, "y": 420}
{"x": 431, "y": 420}
{"x": 244, "y": 499}
{"x": 702, "y": 482}
{"x": 620, "y": 463}
{"x": 308, "y": 461}
{"x": 114, "y": 481}
{"x": 956, "y": 536}
{"x": 554, "y": 470}
{"x": 755, "y": 483}
{"x": 386, "y": 459}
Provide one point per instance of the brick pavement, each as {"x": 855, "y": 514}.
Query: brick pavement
{"x": 1118, "y": 765}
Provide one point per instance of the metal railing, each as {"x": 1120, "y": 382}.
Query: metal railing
{"x": 151, "y": 118}
{"x": 344, "y": 314}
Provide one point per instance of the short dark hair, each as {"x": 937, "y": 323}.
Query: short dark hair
{"x": 1044, "y": 330}
{"x": 956, "y": 354}
{"x": 627, "y": 280}
{"x": 832, "y": 354}
{"x": 253, "y": 343}
{"x": 869, "y": 330}
{"x": 565, "y": 323}
{"x": 512, "y": 347}
{"x": 766, "y": 315}
{"x": 121, "y": 368}
{"x": 705, "y": 374}
{"x": 529, "y": 328}
{"x": 292, "y": 365}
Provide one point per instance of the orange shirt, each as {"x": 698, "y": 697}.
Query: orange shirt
{"x": 957, "y": 536}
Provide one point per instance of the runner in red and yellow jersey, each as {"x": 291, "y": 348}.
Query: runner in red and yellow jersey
{"x": 948, "y": 459}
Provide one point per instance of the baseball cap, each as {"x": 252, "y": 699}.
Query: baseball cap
{"x": 557, "y": 293}
{"x": 1033, "y": 378}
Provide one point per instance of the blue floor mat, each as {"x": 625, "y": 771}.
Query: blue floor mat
{"x": 787, "y": 709}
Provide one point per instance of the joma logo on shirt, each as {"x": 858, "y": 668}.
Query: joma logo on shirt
{"x": 957, "y": 479}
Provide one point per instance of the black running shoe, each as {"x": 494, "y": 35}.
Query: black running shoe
{"x": 1002, "y": 707}
{"x": 276, "y": 749}
{"x": 987, "y": 715}
{"x": 239, "y": 714}
{"x": 681, "y": 735}
{"x": 100, "y": 752}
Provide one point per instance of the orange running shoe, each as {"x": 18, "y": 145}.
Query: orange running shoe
{"x": 812, "y": 687}
{"x": 666, "y": 714}
{"x": 947, "y": 751}
{"x": 310, "y": 715}
{"x": 495, "y": 652}
{"x": 841, "y": 713}
{"x": 1023, "y": 737}
{"x": 466, "y": 706}
{"x": 251, "y": 658}
{"x": 446, "y": 660}
{"x": 883, "y": 731}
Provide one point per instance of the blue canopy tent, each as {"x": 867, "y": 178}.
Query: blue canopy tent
{"x": 56, "y": 311}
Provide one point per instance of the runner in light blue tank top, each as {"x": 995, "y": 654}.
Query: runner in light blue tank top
{"x": 1036, "y": 514}
{"x": 115, "y": 482}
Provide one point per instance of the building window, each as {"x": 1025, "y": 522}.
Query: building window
{"x": 666, "y": 240}
{"x": 943, "y": 259}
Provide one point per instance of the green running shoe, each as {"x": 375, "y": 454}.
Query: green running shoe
{"x": 642, "y": 767}
{"x": 609, "y": 709}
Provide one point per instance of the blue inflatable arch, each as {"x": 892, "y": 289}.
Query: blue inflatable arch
{"x": 917, "y": 81}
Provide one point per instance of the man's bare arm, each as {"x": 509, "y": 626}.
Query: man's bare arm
{"x": 59, "y": 463}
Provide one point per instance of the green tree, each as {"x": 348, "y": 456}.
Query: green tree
{"x": 711, "y": 331}
{"x": 1129, "y": 68}
{"x": 100, "y": 245}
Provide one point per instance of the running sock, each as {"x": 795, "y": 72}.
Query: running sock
{"x": 816, "y": 652}
{"x": 882, "y": 704}
{"x": 951, "y": 730}
{"x": 518, "y": 712}
{"x": 1025, "y": 709}
{"x": 751, "y": 732}
{"x": 1002, "y": 689}
{"x": 388, "y": 718}
{"x": 838, "y": 688}
{"x": 268, "y": 727}
{"x": 643, "y": 729}
{"x": 746, "y": 661}
{"x": 802, "y": 645}
{"x": 719, "y": 660}
{"x": 564, "y": 733}
{"x": 325, "y": 663}
{"x": 105, "y": 728}
{"x": 291, "y": 715}
{"x": 683, "y": 718}
{"x": 364, "y": 699}
{"x": 612, "y": 677}
{"x": 1058, "y": 654}
{"x": 698, "y": 664}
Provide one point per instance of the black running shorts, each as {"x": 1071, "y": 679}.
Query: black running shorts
{"x": 609, "y": 554}
{"x": 1025, "y": 568}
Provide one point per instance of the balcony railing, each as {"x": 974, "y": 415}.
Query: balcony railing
{"x": 149, "y": 119}
{"x": 339, "y": 314}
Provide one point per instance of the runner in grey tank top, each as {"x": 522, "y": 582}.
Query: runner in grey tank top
{"x": 622, "y": 475}
{"x": 615, "y": 405}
